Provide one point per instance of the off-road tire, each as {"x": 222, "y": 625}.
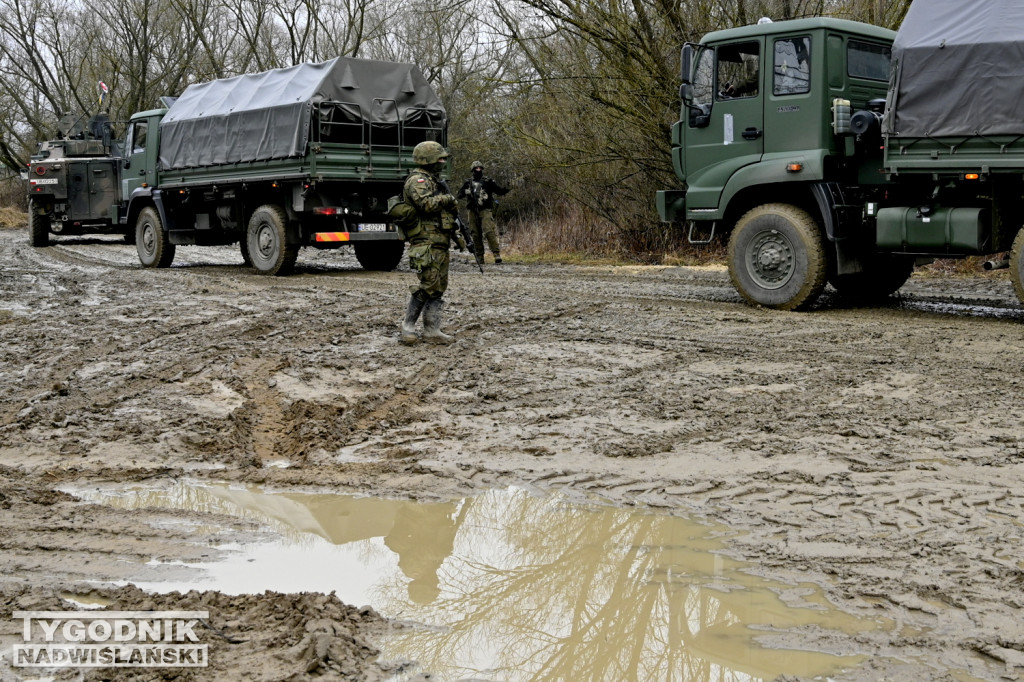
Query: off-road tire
{"x": 38, "y": 226}
{"x": 882, "y": 277}
{"x": 383, "y": 256}
{"x": 267, "y": 241}
{"x": 151, "y": 240}
{"x": 1017, "y": 265}
{"x": 777, "y": 257}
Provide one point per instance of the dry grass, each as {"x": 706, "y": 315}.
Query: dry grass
{"x": 972, "y": 266}
{"x": 11, "y": 217}
{"x": 572, "y": 236}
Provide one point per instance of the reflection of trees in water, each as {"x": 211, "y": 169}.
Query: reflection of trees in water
{"x": 529, "y": 588}
{"x": 536, "y": 589}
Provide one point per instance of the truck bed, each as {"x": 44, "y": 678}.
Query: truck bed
{"x": 324, "y": 162}
{"x": 955, "y": 155}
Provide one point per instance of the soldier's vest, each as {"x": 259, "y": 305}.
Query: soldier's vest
{"x": 437, "y": 229}
{"x": 479, "y": 194}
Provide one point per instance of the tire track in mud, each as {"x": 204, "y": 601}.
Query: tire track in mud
{"x": 875, "y": 451}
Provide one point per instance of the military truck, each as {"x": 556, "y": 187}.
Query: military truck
{"x": 72, "y": 181}
{"x": 837, "y": 152}
{"x": 301, "y": 156}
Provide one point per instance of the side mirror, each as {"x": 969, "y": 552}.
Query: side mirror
{"x": 685, "y": 62}
{"x": 686, "y": 93}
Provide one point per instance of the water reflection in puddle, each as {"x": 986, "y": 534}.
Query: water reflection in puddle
{"x": 511, "y": 586}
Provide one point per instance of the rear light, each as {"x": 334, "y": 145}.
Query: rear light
{"x": 327, "y": 210}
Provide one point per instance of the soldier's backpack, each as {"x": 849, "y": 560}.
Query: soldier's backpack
{"x": 403, "y": 215}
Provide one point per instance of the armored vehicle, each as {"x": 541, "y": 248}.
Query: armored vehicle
{"x": 73, "y": 183}
{"x": 837, "y": 152}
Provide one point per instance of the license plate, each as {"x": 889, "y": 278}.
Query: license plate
{"x": 373, "y": 227}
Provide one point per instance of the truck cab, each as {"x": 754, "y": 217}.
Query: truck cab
{"x": 757, "y": 102}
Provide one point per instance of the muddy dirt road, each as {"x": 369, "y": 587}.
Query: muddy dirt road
{"x": 875, "y": 452}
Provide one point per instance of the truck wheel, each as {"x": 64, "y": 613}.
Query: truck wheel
{"x": 882, "y": 277}
{"x": 1017, "y": 265}
{"x": 383, "y": 256}
{"x": 155, "y": 249}
{"x": 267, "y": 241}
{"x": 777, "y": 258}
{"x": 38, "y": 226}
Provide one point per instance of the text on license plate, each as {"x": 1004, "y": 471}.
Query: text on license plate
{"x": 373, "y": 227}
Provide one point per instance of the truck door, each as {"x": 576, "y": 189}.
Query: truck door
{"x": 725, "y": 127}
{"x": 137, "y": 167}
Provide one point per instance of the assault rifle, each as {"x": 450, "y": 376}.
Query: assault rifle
{"x": 464, "y": 229}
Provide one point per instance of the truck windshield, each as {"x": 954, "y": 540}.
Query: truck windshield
{"x": 703, "y": 84}
{"x": 865, "y": 60}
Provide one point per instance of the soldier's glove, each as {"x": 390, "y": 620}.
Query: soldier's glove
{"x": 460, "y": 242}
{"x": 451, "y": 202}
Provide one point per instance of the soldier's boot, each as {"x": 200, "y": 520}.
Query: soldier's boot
{"x": 494, "y": 246}
{"x": 432, "y": 323}
{"x": 412, "y": 313}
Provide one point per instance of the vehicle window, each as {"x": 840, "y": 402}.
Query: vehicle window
{"x": 703, "y": 84}
{"x": 139, "y": 136}
{"x": 791, "y": 72}
{"x": 864, "y": 60}
{"x": 738, "y": 70}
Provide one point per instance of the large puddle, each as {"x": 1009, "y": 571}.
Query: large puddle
{"x": 512, "y": 586}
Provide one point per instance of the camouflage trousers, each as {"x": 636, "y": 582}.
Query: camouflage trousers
{"x": 429, "y": 257}
{"x": 482, "y": 226}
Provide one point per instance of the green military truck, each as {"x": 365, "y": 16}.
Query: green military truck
{"x": 72, "y": 181}
{"x": 301, "y": 156}
{"x": 837, "y": 152}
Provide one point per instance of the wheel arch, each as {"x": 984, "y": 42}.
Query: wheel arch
{"x": 800, "y": 195}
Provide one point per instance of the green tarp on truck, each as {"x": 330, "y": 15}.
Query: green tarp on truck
{"x": 268, "y": 115}
{"x": 958, "y": 70}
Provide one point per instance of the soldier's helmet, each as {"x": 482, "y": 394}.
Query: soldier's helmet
{"x": 477, "y": 164}
{"x": 427, "y": 153}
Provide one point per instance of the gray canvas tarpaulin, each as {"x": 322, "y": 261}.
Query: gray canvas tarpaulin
{"x": 268, "y": 115}
{"x": 958, "y": 70}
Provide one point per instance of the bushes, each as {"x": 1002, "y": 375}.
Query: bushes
{"x": 569, "y": 232}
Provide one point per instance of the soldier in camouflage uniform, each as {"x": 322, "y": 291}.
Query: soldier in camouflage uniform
{"x": 429, "y": 242}
{"x": 479, "y": 193}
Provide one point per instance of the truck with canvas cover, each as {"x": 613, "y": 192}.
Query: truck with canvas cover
{"x": 72, "y": 181}
{"x": 837, "y": 152}
{"x": 302, "y": 156}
